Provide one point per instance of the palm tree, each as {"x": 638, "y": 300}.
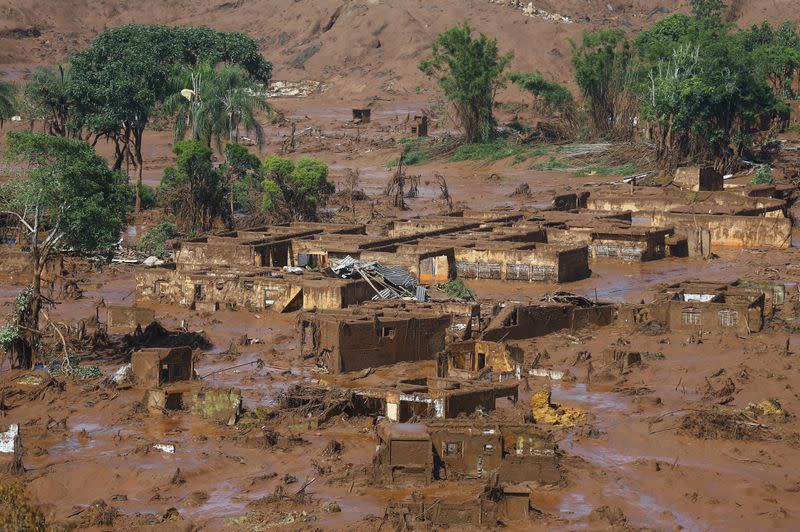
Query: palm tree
{"x": 7, "y": 99}
{"x": 215, "y": 103}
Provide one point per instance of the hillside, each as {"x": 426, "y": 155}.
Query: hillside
{"x": 359, "y": 48}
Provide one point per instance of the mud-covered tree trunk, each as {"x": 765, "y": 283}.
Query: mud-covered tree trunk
{"x": 138, "y": 132}
{"x": 24, "y": 349}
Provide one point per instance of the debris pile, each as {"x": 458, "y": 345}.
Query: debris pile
{"x": 544, "y": 411}
{"x": 388, "y": 282}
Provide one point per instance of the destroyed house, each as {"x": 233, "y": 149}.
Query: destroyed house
{"x": 480, "y": 360}
{"x": 353, "y": 340}
{"x": 157, "y": 366}
{"x": 404, "y": 454}
{"x": 698, "y": 178}
{"x": 419, "y": 126}
{"x": 218, "y": 404}
{"x": 362, "y": 116}
{"x": 468, "y": 449}
{"x": 255, "y": 290}
{"x": 465, "y": 316}
{"x": 731, "y": 219}
{"x": 428, "y": 264}
{"x": 127, "y": 319}
{"x": 613, "y": 240}
{"x": 508, "y": 453}
{"x": 480, "y": 258}
{"x": 517, "y": 321}
{"x": 438, "y": 398}
{"x": 710, "y": 308}
{"x": 269, "y": 246}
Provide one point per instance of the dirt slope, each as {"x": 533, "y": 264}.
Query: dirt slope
{"x": 358, "y": 47}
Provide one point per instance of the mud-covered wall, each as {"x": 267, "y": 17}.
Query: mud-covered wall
{"x": 15, "y": 262}
{"x": 120, "y": 317}
{"x": 544, "y": 263}
{"x": 734, "y": 231}
{"x": 205, "y": 255}
{"x": 354, "y": 346}
{"x": 573, "y": 264}
{"x": 714, "y": 318}
{"x": 518, "y": 322}
{"x": 467, "y": 452}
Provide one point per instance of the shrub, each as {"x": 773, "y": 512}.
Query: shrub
{"x": 147, "y": 196}
{"x": 763, "y": 176}
{"x": 154, "y": 241}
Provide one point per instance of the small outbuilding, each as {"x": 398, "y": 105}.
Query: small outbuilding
{"x": 698, "y": 178}
{"x": 154, "y": 367}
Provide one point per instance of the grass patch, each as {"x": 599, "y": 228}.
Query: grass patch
{"x": 519, "y": 159}
{"x": 552, "y": 164}
{"x": 415, "y": 151}
{"x": 487, "y": 151}
{"x": 606, "y": 171}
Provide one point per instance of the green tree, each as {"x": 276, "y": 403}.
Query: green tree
{"x": 194, "y": 191}
{"x": 126, "y": 73}
{"x": 708, "y": 12}
{"x": 550, "y": 96}
{"x": 604, "y": 72}
{"x": 776, "y": 54}
{"x": 7, "y": 99}
{"x": 65, "y": 198}
{"x": 47, "y": 96}
{"x": 295, "y": 191}
{"x": 469, "y": 71}
{"x": 242, "y": 171}
{"x": 704, "y": 101}
{"x": 154, "y": 241}
{"x": 216, "y": 102}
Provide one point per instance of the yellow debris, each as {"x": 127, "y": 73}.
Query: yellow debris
{"x": 770, "y": 407}
{"x": 544, "y": 411}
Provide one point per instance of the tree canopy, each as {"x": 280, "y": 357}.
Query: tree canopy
{"x": 193, "y": 190}
{"x": 604, "y": 71}
{"x": 65, "y": 197}
{"x": 705, "y": 86}
{"x": 118, "y": 81}
{"x": 295, "y": 191}
{"x": 556, "y": 97}
{"x": 469, "y": 71}
{"x": 219, "y": 101}
{"x": 7, "y": 99}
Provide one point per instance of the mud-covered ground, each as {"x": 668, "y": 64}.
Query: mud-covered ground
{"x": 647, "y": 456}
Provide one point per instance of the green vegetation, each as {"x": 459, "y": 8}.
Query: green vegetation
{"x": 700, "y": 83}
{"x": 414, "y": 151}
{"x": 763, "y": 176}
{"x": 66, "y": 198}
{"x": 118, "y": 82}
{"x": 7, "y": 99}
{"x": 487, "y": 151}
{"x": 214, "y": 102}
{"x": 295, "y": 191}
{"x": 456, "y": 288}
{"x": 193, "y": 191}
{"x": 551, "y": 164}
{"x": 469, "y": 71}
{"x": 147, "y": 196}
{"x": 552, "y": 96}
{"x": 242, "y": 170}
{"x": 154, "y": 241}
{"x": 604, "y": 171}
{"x": 47, "y": 97}
{"x": 604, "y": 71}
